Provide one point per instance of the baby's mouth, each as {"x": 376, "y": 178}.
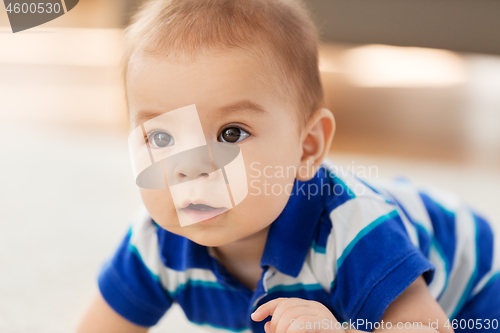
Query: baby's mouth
{"x": 201, "y": 207}
{"x": 202, "y": 212}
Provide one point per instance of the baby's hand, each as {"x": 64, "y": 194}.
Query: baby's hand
{"x": 295, "y": 315}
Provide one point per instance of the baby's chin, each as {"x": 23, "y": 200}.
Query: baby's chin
{"x": 231, "y": 226}
{"x": 214, "y": 232}
{"x": 210, "y": 237}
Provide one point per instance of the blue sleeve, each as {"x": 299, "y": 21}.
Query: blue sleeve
{"x": 132, "y": 288}
{"x": 374, "y": 269}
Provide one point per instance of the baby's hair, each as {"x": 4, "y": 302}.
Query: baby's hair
{"x": 280, "y": 32}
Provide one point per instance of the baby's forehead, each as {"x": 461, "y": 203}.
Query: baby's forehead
{"x": 255, "y": 63}
{"x": 222, "y": 77}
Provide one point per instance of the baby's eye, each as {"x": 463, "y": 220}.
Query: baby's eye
{"x": 232, "y": 135}
{"x": 160, "y": 139}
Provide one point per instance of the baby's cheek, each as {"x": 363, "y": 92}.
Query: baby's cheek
{"x": 160, "y": 206}
{"x": 267, "y": 197}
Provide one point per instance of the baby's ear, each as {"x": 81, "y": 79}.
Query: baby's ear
{"x": 316, "y": 139}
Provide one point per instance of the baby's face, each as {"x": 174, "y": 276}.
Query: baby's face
{"x": 235, "y": 105}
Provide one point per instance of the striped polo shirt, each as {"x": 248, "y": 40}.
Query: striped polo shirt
{"x": 350, "y": 244}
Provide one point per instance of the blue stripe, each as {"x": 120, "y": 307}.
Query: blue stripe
{"x": 485, "y": 248}
{"x": 319, "y": 243}
{"x": 197, "y": 283}
{"x": 318, "y": 248}
{"x": 189, "y": 282}
{"x": 425, "y": 238}
{"x": 339, "y": 196}
{"x": 217, "y": 307}
{"x": 136, "y": 252}
{"x": 434, "y": 244}
{"x": 344, "y": 187}
{"x": 443, "y": 224}
{"x": 180, "y": 253}
{"x": 439, "y": 250}
{"x": 491, "y": 280}
{"x": 295, "y": 287}
{"x": 363, "y": 233}
{"x": 130, "y": 288}
{"x": 370, "y": 186}
{"x": 207, "y": 324}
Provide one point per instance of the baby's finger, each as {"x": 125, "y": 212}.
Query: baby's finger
{"x": 269, "y": 308}
{"x": 292, "y": 315}
{"x": 266, "y": 309}
{"x": 267, "y": 327}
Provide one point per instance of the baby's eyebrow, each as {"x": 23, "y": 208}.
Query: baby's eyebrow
{"x": 145, "y": 115}
{"x": 243, "y": 105}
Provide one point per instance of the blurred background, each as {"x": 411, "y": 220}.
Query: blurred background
{"x": 414, "y": 86}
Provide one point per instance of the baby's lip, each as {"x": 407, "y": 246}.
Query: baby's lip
{"x": 189, "y": 204}
{"x": 201, "y": 212}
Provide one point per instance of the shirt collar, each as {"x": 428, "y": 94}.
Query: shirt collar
{"x": 291, "y": 234}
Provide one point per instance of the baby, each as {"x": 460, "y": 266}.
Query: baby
{"x": 246, "y": 226}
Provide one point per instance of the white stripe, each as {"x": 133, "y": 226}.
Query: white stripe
{"x": 464, "y": 262}
{"x": 349, "y": 219}
{"x": 267, "y": 275}
{"x": 382, "y": 187}
{"x": 357, "y": 187}
{"x": 305, "y": 277}
{"x": 145, "y": 240}
{"x": 407, "y": 195}
{"x": 389, "y": 189}
{"x": 446, "y": 199}
{"x": 482, "y": 283}
{"x": 172, "y": 280}
{"x": 323, "y": 265}
{"x": 347, "y": 222}
{"x": 439, "y": 280}
{"x": 410, "y": 228}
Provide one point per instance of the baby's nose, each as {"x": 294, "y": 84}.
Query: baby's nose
{"x": 189, "y": 173}
{"x": 192, "y": 164}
